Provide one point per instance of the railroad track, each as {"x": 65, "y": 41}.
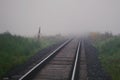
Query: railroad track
{"x": 68, "y": 62}
{"x": 62, "y": 64}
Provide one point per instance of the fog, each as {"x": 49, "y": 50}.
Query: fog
{"x": 23, "y": 17}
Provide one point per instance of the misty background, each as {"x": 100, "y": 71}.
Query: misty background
{"x": 23, "y": 17}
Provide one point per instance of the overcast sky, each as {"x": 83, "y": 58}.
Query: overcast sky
{"x": 23, "y": 17}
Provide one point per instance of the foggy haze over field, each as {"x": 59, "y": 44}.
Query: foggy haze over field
{"x": 23, "y": 17}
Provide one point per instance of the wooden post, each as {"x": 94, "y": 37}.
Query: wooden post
{"x": 39, "y": 33}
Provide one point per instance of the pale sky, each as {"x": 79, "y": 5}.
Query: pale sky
{"x": 23, "y": 17}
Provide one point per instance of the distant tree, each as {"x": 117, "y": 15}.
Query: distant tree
{"x": 108, "y": 34}
{"x": 7, "y": 33}
{"x": 95, "y": 36}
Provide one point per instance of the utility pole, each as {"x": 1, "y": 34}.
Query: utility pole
{"x": 39, "y": 31}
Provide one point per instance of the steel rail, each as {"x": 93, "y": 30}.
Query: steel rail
{"x": 40, "y": 63}
{"x": 75, "y": 63}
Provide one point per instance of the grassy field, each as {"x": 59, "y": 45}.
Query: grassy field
{"x": 15, "y": 50}
{"x": 109, "y": 50}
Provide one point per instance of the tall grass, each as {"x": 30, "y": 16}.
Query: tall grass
{"x": 15, "y": 50}
{"x": 110, "y": 56}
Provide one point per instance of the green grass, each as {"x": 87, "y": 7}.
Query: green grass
{"x": 110, "y": 56}
{"x": 15, "y": 50}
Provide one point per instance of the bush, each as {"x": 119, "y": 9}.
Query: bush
{"x": 15, "y": 50}
{"x": 110, "y": 56}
